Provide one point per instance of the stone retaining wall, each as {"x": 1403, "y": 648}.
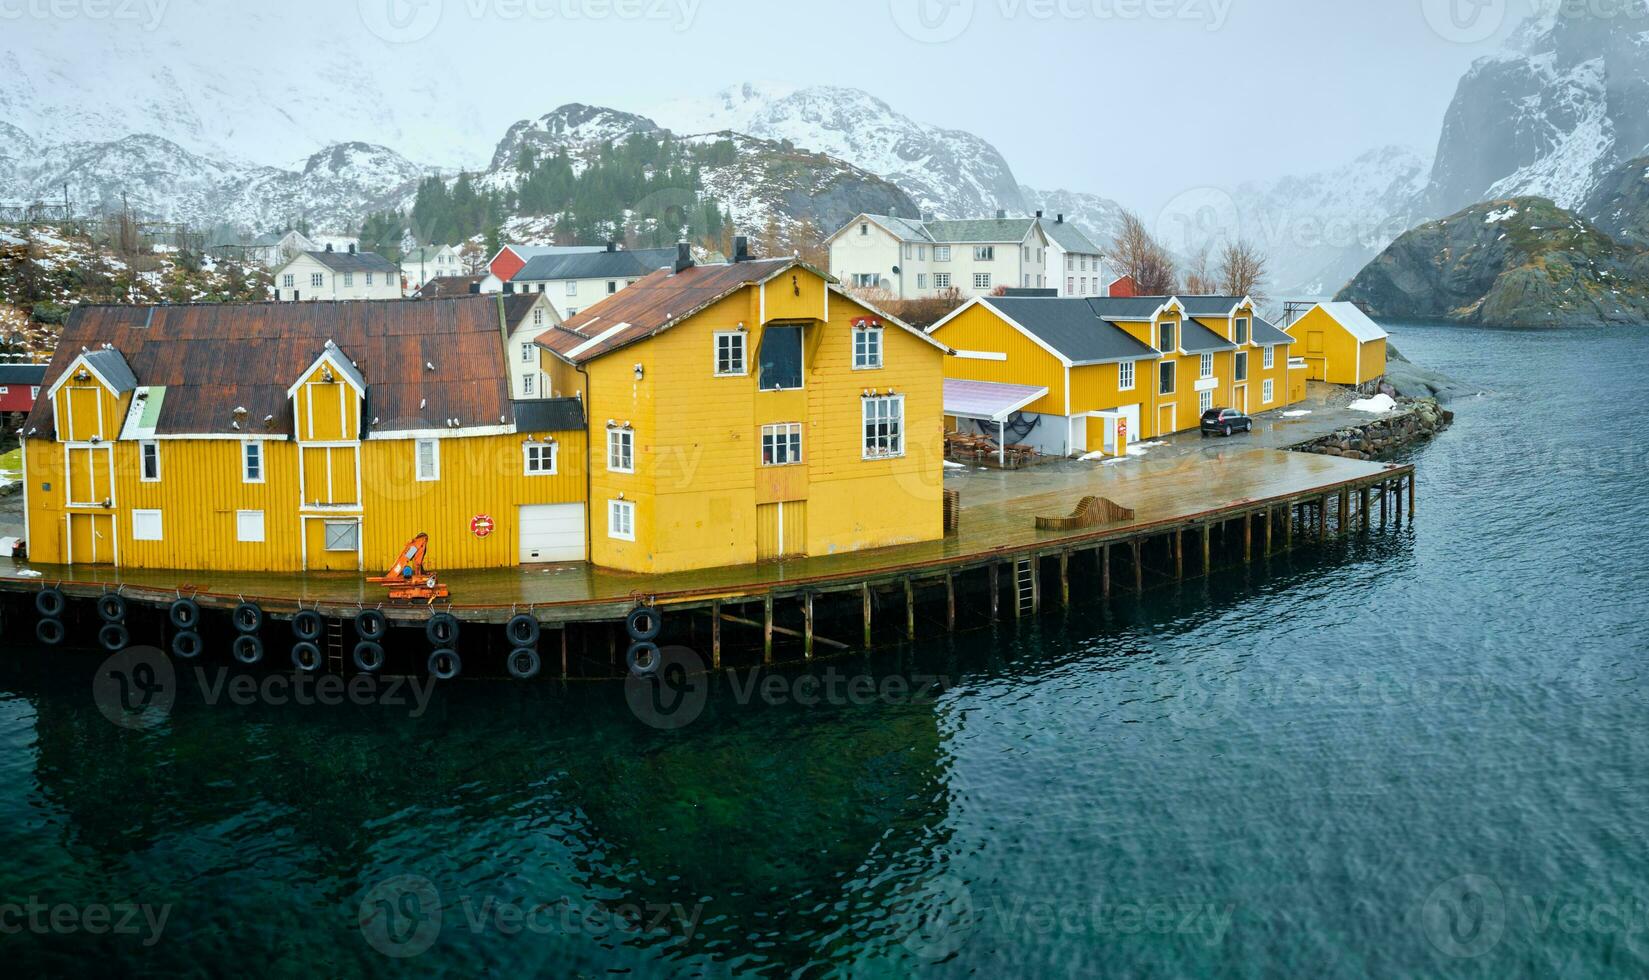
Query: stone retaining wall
{"x": 1414, "y": 421}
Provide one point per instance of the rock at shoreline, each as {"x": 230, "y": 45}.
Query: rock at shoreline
{"x": 1416, "y": 421}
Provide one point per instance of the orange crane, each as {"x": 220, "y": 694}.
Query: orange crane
{"x": 408, "y": 579}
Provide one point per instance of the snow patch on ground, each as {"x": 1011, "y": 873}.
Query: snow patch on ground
{"x": 1142, "y": 449}
{"x": 1301, "y": 413}
{"x": 1379, "y": 404}
{"x": 1502, "y": 214}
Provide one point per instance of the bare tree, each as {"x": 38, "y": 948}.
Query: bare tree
{"x": 474, "y": 257}
{"x": 1140, "y": 255}
{"x": 1242, "y": 270}
{"x": 1199, "y": 278}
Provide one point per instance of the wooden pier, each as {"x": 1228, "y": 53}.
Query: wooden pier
{"x": 1190, "y": 515}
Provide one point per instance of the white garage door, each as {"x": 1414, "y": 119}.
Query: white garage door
{"x": 552, "y": 532}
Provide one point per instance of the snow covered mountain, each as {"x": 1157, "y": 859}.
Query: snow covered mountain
{"x": 1098, "y": 217}
{"x": 1567, "y": 103}
{"x": 950, "y": 173}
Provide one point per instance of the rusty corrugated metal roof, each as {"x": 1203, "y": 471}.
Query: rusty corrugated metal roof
{"x": 215, "y": 358}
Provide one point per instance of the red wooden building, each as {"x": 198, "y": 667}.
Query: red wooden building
{"x": 19, "y": 386}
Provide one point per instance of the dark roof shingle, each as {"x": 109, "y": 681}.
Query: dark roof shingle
{"x": 1070, "y": 327}
{"x": 354, "y": 262}
{"x": 595, "y": 265}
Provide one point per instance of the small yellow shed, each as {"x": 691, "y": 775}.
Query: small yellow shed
{"x": 1339, "y": 344}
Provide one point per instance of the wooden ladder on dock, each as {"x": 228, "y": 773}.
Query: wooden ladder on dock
{"x": 335, "y": 646}
{"x": 1024, "y": 583}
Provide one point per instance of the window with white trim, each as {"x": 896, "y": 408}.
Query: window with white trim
{"x": 981, "y": 280}
{"x": 867, "y": 348}
{"x": 782, "y": 444}
{"x": 149, "y": 462}
{"x": 866, "y": 280}
{"x": 529, "y": 386}
{"x": 1166, "y": 377}
{"x": 526, "y": 353}
{"x": 1241, "y": 330}
{"x": 341, "y": 536}
{"x": 349, "y": 279}
{"x": 884, "y": 418}
{"x": 921, "y": 280}
{"x": 1205, "y": 400}
{"x": 1267, "y": 391}
{"x": 428, "y": 452}
{"x": 289, "y": 280}
{"x": 1070, "y": 284}
{"x": 146, "y": 525}
{"x": 621, "y": 450}
{"x": 538, "y": 458}
{"x": 984, "y": 253}
{"x": 941, "y": 280}
{"x": 941, "y": 253}
{"x": 251, "y": 458}
{"x": 537, "y": 318}
{"x": 1165, "y": 336}
{"x": 317, "y": 279}
{"x": 1269, "y": 358}
{"x": 1125, "y": 376}
{"x": 572, "y": 288}
{"x": 1207, "y": 366}
{"x": 369, "y": 279}
{"x": 1239, "y": 368}
{"x": 730, "y": 353}
{"x": 621, "y": 519}
{"x": 249, "y": 526}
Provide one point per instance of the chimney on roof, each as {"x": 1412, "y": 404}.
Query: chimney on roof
{"x": 475, "y": 288}
{"x": 1039, "y": 215}
{"x": 352, "y": 248}
{"x": 1000, "y": 214}
{"x": 741, "y": 248}
{"x": 329, "y": 246}
{"x": 1059, "y": 220}
{"x": 612, "y": 246}
{"x": 684, "y": 257}
{"x": 928, "y": 216}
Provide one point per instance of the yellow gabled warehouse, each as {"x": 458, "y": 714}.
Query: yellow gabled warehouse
{"x": 1340, "y": 344}
{"x": 300, "y": 437}
{"x": 751, "y": 411}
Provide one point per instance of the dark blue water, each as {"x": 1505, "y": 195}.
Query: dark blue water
{"x": 1418, "y": 753}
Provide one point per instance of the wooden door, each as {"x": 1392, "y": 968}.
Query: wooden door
{"x": 781, "y": 530}
{"x": 91, "y": 539}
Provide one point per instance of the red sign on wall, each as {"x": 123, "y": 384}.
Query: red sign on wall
{"x": 481, "y": 525}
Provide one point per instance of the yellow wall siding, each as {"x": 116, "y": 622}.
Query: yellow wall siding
{"x": 979, "y": 328}
{"x": 1331, "y": 353}
{"x": 1373, "y": 356}
{"x": 201, "y": 491}
{"x": 326, "y": 411}
{"x": 699, "y": 478}
{"x": 85, "y": 410}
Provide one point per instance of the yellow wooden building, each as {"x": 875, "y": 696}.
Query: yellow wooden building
{"x": 1340, "y": 344}
{"x": 750, "y": 411}
{"x": 1108, "y": 371}
{"x": 288, "y": 437}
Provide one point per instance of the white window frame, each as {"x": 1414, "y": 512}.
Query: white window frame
{"x": 247, "y": 450}
{"x": 1268, "y": 391}
{"x": 1246, "y": 333}
{"x": 1239, "y": 366}
{"x": 941, "y": 253}
{"x": 140, "y": 532}
{"x": 621, "y": 450}
{"x": 317, "y": 280}
{"x": 1206, "y": 367}
{"x": 532, "y": 458}
{"x": 870, "y": 354}
{"x": 941, "y": 280}
{"x": 984, "y": 253}
{"x": 326, "y": 531}
{"x": 921, "y": 280}
{"x": 621, "y": 520}
{"x": 572, "y": 288}
{"x": 537, "y": 319}
{"x": 526, "y": 350}
{"x": 743, "y": 345}
{"x": 1269, "y": 358}
{"x": 289, "y": 280}
{"x": 1172, "y": 326}
{"x": 433, "y": 474}
{"x": 1205, "y": 402}
{"x": 982, "y": 280}
{"x": 242, "y": 534}
{"x": 1125, "y": 375}
{"x": 349, "y": 280}
{"x": 894, "y": 422}
{"x": 147, "y": 450}
{"x": 529, "y": 386}
{"x": 786, "y": 440}
{"x": 369, "y": 279}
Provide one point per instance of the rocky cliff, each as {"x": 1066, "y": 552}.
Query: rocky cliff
{"x": 1513, "y": 262}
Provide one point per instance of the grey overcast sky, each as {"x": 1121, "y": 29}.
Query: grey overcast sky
{"x": 1134, "y": 99}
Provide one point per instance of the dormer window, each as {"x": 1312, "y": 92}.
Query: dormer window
{"x": 1165, "y": 336}
{"x": 864, "y": 228}
{"x": 781, "y": 359}
{"x": 1241, "y": 330}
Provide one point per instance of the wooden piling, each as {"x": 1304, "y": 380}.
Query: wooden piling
{"x": 1411, "y": 497}
{"x": 865, "y": 593}
{"x": 950, "y": 602}
{"x": 1179, "y": 554}
{"x": 1322, "y": 519}
{"x": 807, "y": 625}
{"x": 1363, "y": 502}
{"x": 767, "y": 628}
{"x": 1207, "y": 551}
{"x": 1139, "y": 569}
{"x": 1288, "y": 527}
{"x": 1248, "y": 537}
{"x": 1065, "y": 579}
{"x": 715, "y": 634}
{"x": 910, "y": 611}
{"x": 1105, "y": 571}
{"x": 996, "y": 590}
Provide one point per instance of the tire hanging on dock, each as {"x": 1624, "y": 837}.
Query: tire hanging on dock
{"x": 371, "y": 625}
{"x": 248, "y": 649}
{"x": 523, "y": 664}
{"x": 369, "y": 657}
{"x": 185, "y": 614}
{"x": 643, "y": 659}
{"x": 248, "y": 618}
{"x": 444, "y": 665}
{"x": 307, "y": 625}
{"x": 306, "y": 657}
{"x": 114, "y": 637}
{"x": 644, "y": 624}
{"x": 111, "y": 606}
{"x": 49, "y": 632}
{"x": 186, "y": 644}
{"x": 523, "y": 631}
{"x": 442, "y": 630}
{"x": 50, "y": 603}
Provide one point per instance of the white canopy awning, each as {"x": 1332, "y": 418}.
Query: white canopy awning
{"x": 988, "y": 401}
